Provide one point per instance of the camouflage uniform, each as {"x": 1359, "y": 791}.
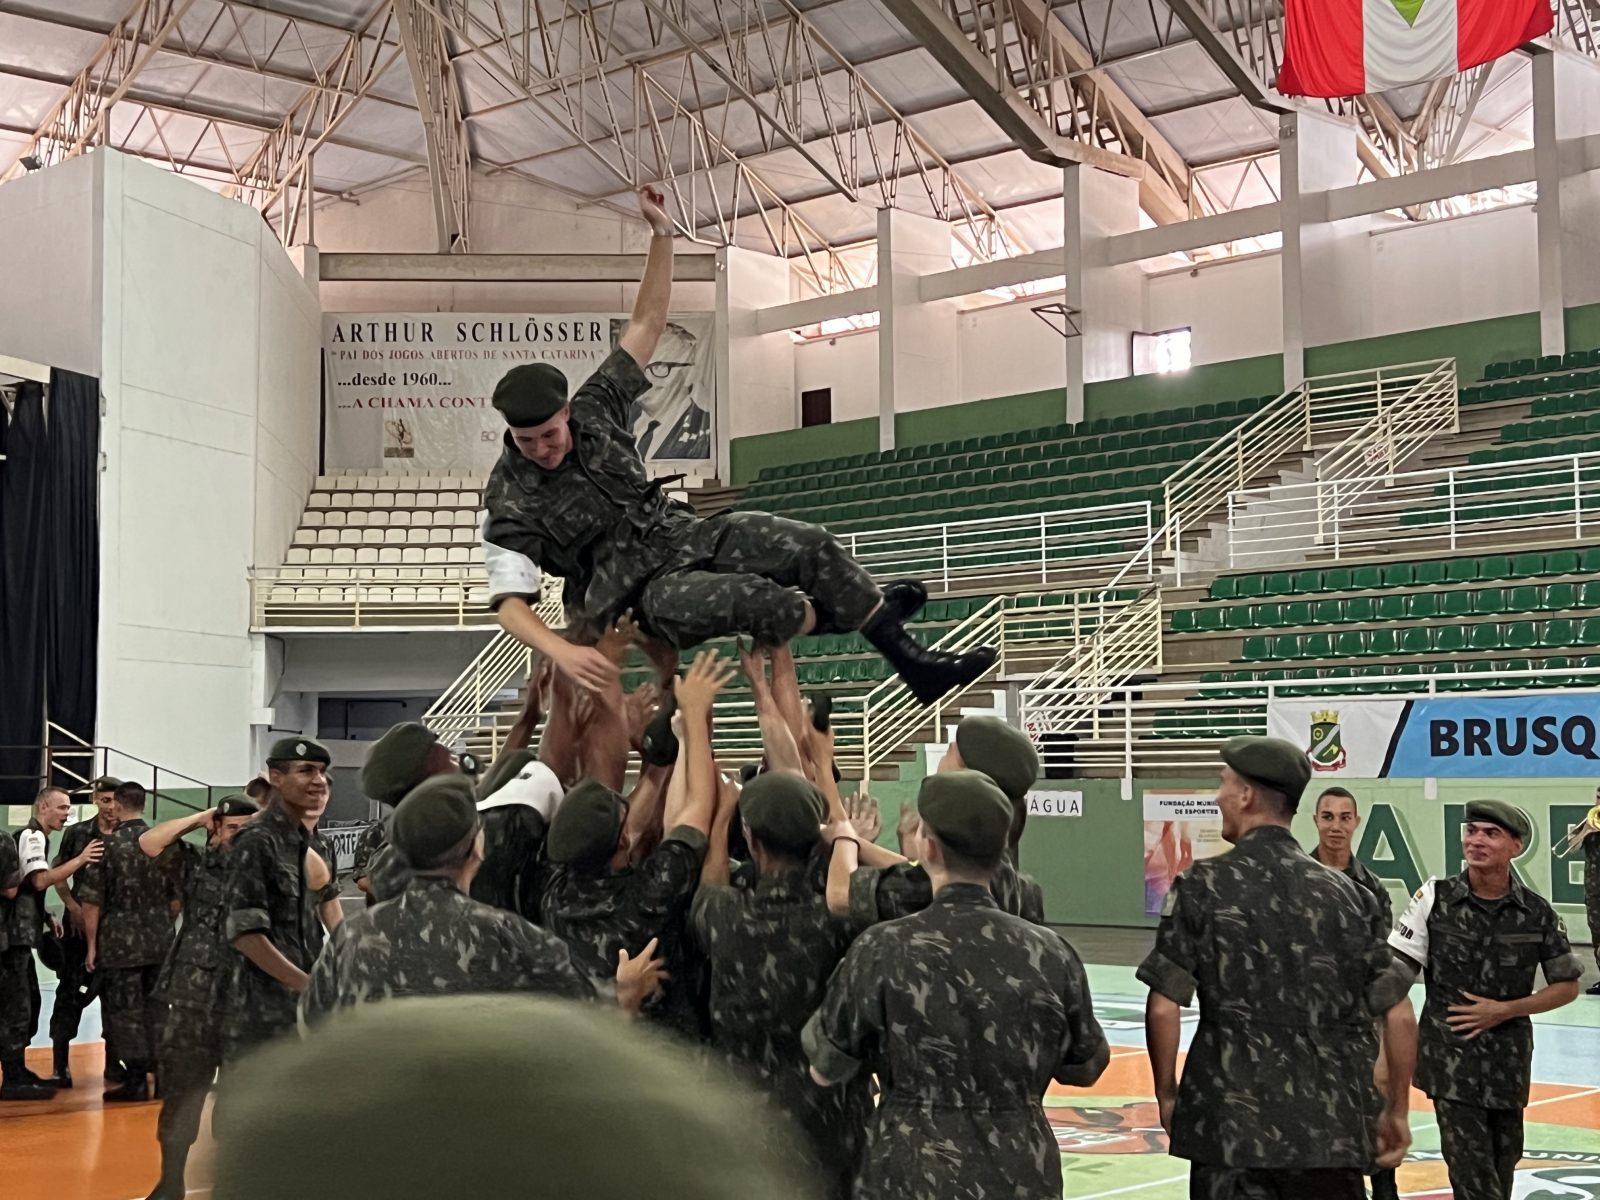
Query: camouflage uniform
{"x": 432, "y": 941}
{"x": 1491, "y": 948}
{"x": 26, "y": 919}
{"x": 134, "y": 892}
{"x": 190, "y": 986}
{"x": 1276, "y": 1094}
{"x": 77, "y": 987}
{"x": 514, "y": 872}
{"x": 599, "y": 523}
{"x": 1591, "y": 890}
{"x": 965, "y": 1014}
{"x": 771, "y": 949}
{"x": 378, "y": 864}
{"x": 599, "y": 913}
{"x": 1361, "y": 875}
{"x": 887, "y": 893}
{"x": 266, "y": 893}
{"x": 13, "y": 970}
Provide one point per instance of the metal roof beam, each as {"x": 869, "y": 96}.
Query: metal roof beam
{"x": 1250, "y": 85}
{"x": 439, "y": 102}
{"x": 506, "y": 268}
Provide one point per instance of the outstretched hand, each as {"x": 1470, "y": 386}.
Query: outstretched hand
{"x": 588, "y": 668}
{"x": 639, "y": 978}
{"x": 703, "y": 682}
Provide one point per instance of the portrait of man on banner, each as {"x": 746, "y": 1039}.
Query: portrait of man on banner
{"x": 672, "y": 421}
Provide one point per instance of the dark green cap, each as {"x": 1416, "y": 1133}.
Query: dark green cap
{"x": 1279, "y": 765}
{"x": 237, "y": 806}
{"x": 587, "y": 823}
{"x": 1001, "y": 751}
{"x": 299, "y": 749}
{"x": 530, "y": 394}
{"x": 1508, "y": 816}
{"x": 397, "y": 762}
{"x": 967, "y": 811}
{"x": 500, "y": 1108}
{"x": 106, "y": 783}
{"x": 785, "y": 811}
{"x": 436, "y": 817}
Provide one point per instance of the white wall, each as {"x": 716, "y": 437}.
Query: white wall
{"x": 1009, "y": 349}
{"x": 49, "y": 259}
{"x": 848, "y": 365}
{"x": 1231, "y": 307}
{"x": 201, "y": 316}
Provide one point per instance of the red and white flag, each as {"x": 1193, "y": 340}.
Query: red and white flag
{"x": 1348, "y": 47}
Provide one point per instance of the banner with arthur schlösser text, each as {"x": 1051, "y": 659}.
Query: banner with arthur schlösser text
{"x": 410, "y": 392}
{"x": 1442, "y": 737}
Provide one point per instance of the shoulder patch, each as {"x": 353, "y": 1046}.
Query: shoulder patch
{"x": 1170, "y": 904}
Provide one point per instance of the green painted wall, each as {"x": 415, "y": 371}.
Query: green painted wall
{"x": 1473, "y": 345}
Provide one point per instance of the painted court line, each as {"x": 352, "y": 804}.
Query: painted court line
{"x": 1133, "y": 1187}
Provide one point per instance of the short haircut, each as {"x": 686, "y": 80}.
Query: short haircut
{"x": 50, "y": 791}
{"x": 257, "y": 787}
{"x": 966, "y": 864}
{"x": 1344, "y": 793}
{"x": 131, "y": 796}
{"x": 1278, "y": 799}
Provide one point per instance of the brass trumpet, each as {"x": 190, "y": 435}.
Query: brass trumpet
{"x": 1581, "y": 831}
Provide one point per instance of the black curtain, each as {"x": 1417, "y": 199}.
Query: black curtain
{"x": 49, "y": 576}
{"x": 72, "y": 546}
{"x": 23, "y": 487}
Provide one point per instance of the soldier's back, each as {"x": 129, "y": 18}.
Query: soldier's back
{"x": 136, "y": 915}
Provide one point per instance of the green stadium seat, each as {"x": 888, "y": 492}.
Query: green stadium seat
{"x": 1461, "y": 570}
{"x": 1398, "y": 575}
{"x": 1336, "y": 579}
{"x": 1588, "y": 633}
{"x": 1252, "y": 585}
{"x": 1236, "y": 616}
{"x": 1306, "y": 582}
{"x": 1489, "y": 600}
{"x": 1523, "y": 366}
{"x": 1326, "y": 612}
{"x": 1507, "y": 666}
{"x": 1562, "y": 631}
{"x": 1561, "y": 562}
{"x": 1427, "y": 573}
{"x": 1549, "y": 362}
{"x": 1382, "y": 643}
{"x": 1351, "y": 644}
{"x": 1365, "y": 579}
{"x": 1358, "y": 608}
{"x": 1497, "y": 370}
{"x": 1183, "y": 620}
{"x": 1589, "y": 594}
{"x": 1483, "y": 637}
{"x": 1455, "y": 603}
{"x": 1266, "y": 616}
{"x": 1259, "y": 648}
{"x": 1494, "y": 566}
{"x": 1523, "y": 599}
{"x": 1279, "y": 584}
{"x": 1421, "y": 606}
{"x": 1316, "y": 645}
{"x": 1557, "y": 597}
{"x": 1391, "y": 608}
{"x": 1209, "y": 619}
{"x": 1525, "y": 566}
{"x": 1418, "y": 639}
{"x": 1522, "y": 635}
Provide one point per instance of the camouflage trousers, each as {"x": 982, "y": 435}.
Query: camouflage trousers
{"x": 15, "y": 1001}
{"x": 752, "y": 573}
{"x": 191, "y": 1052}
{"x": 1481, "y": 1147}
{"x": 75, "y": 991}
{"x": 132, "y": 1013}
{"x": 1591, "y": 906}
{"x": 1226, "y": 1183}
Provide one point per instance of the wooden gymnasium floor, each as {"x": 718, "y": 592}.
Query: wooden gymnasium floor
{"x": 74, "y": 1148}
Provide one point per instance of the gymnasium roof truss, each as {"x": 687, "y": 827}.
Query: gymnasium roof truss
{"x": 443, "y": 122}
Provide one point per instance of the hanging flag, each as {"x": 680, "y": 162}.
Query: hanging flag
{"x": 1348, "y": 47}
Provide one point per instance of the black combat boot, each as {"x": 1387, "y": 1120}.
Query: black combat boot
{"x": 135, "y": 1087}
{"x": 173, "y": 1161}
{"x": 928, "y": 673}
{"x": 17, "y": 1087}
{"x": 905, "y": 597}
{"x": 62, "y": 1077}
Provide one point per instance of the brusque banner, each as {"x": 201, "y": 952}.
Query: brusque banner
{"x": 1484, "y": 737}
{"x": 412, "y": 390}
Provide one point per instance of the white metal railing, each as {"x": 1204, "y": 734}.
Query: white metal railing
{"x": 1175, "y": 728}
{"x": 1062, "y": 549}
{"x": 1071, "y": 692}
{"x": 1294, "y": 423}
{"x": 1544, "y": 499}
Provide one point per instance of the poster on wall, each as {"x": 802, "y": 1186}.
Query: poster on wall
{"x": 410, "y": 392}
{"x": 1180, "y": 828}
{"x": 1476, "y": 737}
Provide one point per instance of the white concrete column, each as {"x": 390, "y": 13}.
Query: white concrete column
{"x": 1547, "y": 175}
{"x": 1566, "y": 108}
{"x": 917, "y": 342}
{"x": 1073, "y": 266}
{"x": 1316, "y": 153}
{"x": 1110, "y": 299}
{"x": 755, "y": 371}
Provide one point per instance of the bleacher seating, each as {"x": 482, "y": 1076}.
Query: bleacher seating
{"x": 1115, "y": 460}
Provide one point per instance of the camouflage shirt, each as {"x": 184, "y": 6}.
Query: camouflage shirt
{"x": 1361, "y": 875}
{"x": 75, "y": 839}
{"x": 27, "y": 907}
{"x": 596, "y": 521}
{"x": 887, "y": 893}
{"x": 190, "y": 977}
{"x": 135, "y": 894}
{"x": 599, "y": 913}
{"x": 771, "y": 949}
{"x": 10, "y": 877}
{"x": 965, "y": 1013}
{"x": 1291, "y": 975}
{"x": 514, "y": 871}
{"x": 267, "y": 893}
{"x": 434, "y": 941}
{"x": 1491, "y": 948}
{"x": 373, "y": 838}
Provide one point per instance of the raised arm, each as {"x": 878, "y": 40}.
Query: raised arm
{"x": 777, "y": 740}
{"x": 583, "y": 664}
{"x": 697, "y": 693}
{"x": 158, "y": 837}
{"x": 649, "y": 319}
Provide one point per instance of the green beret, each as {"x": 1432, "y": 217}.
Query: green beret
{"x": 530, "y": 394}
{"x": 500, "y": 1108}
{"x": 1497, "y": 812}
{"x": 299, "y": 749}
{"x": 785, "y": 811}
{"x": 236, "y": 806}
{"x": 586, "y": 825}
{"x": 435, "y": 817}
{"x": 1278, "y": 764}
{"x": 967, "y": 811}
{"x": 397, "y": 762}
{"x": 1001, "y": 751}
{"x": 105, "y": 783}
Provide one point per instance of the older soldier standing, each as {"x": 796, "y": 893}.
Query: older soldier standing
{"x": 77, "y": 988}
{"x": 1480, "y": 937}
{"x": 771, "y": 950}
{"x": 191, "y": 1030}
{"x": 1276, "y": 1101}
{"x": 127, "y": 914}
{"x": 570, "y": 496}
{"x": 963, "y": 1068}
{"x": 433, "y": 939}
{"x": 270, "y": 913}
